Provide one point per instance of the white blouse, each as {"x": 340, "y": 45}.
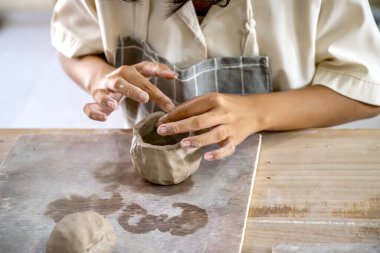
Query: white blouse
{"x": 329, "y": 42}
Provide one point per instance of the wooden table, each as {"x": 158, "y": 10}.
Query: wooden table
{"x": 314, "y": 186}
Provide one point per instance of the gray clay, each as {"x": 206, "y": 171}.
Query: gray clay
{"x": 87, "y": 232}
{"x": 161, "y": 159}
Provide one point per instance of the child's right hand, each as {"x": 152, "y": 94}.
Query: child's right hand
{"x": 131, "y": 82}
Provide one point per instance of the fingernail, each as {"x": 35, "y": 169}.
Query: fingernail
{"x": 142, "y": 97}
{"x": 185, "y": 144}
{"x": 209, "y": 157}
{"x": 161, "y": 120}
{"x": 101, "y": 118}
{"x": 169, "y": 72}
{"x": 189, "y": 144}
{"x": 162, "y": 130}
{"x": 111, "y": 104}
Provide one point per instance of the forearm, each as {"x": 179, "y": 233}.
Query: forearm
{"x": 314, "y": 106}
{"x": 230, "y": 118}
{"x": 86, "y": 71}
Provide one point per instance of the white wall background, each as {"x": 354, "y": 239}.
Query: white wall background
{"x": 34, "y": 90}
{"x": 26, "y": 4}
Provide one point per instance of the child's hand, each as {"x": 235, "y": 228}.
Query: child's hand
{"x": 131, "y": 82}
{"x": 230, "y": 118}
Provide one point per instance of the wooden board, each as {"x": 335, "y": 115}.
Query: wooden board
{"x": 327, "y": 248}
{"x": 316, "y": 186}
{"x": 47, "y": 176}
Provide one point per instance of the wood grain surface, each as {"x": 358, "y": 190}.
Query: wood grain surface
{"x": 313, "y": 186}
{"x": 327, "y": 248}
{"x": 316, "y": 186}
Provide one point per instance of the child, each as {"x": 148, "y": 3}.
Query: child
{"x": 213, "y": 64}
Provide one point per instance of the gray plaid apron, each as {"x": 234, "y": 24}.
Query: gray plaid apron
{"x": 238, "y": 75}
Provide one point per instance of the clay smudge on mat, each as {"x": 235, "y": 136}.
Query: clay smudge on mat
{"x": 76, "y": 203}
{"x": 191, "y": 219}
{"x": 115, "y": 175}
{"x": 145, "y": 224}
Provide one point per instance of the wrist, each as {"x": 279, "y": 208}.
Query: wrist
{"x": 98, "y": 74}
{"x": 258, "y": 111}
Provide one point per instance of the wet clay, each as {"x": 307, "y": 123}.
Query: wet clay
{"x": 86, "y": 232}
{"x": 161, "y": 159}
{"x": 191, "y": 219}
{"x": 59, "y": 208}
{"x": 115, "y": 175}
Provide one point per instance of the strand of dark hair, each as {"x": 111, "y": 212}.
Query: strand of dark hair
{"x": 176, "y": 5}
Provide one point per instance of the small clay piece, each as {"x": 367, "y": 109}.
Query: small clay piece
{"x": 161, "y": 159}
{"x": 86, "y": 232}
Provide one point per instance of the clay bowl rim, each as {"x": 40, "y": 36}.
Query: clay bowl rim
{"x": 140, "y": 141}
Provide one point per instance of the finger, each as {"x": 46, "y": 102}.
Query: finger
{"x": 105, "y": 98}
{"x": 193, "y": 107}
{"x": 130, "y": 91}
{"x": 96, "y": 111}
{"x": 149, "y": 69}
{"x": 191, "y": 124}
{"x": 153, "y": 92}
{"x": 227, "y": 149}
{"x": 216, "y": 135}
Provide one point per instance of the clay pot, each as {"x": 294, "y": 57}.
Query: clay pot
{"x": 161, "y": 159}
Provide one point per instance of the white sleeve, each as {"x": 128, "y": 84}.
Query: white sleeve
{"x": 348, "y": 50}
{"x": 75, "y": 29}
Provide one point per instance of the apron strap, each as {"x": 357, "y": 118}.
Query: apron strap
{"x": 249, "y": 43}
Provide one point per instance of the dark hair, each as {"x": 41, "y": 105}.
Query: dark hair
{"x": 176, "y": 5}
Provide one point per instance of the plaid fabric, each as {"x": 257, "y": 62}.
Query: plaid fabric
{"x": 238, "y": 75}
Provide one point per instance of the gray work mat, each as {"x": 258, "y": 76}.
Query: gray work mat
{"x": 46, "y": 177}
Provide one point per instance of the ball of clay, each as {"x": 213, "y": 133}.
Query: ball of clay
{"x": 86, "y": 232}
{"x": 161, "y": 159}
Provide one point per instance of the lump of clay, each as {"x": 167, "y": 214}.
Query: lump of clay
{"x": 161, "y": 159}
{"x": 86, "y": 232}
